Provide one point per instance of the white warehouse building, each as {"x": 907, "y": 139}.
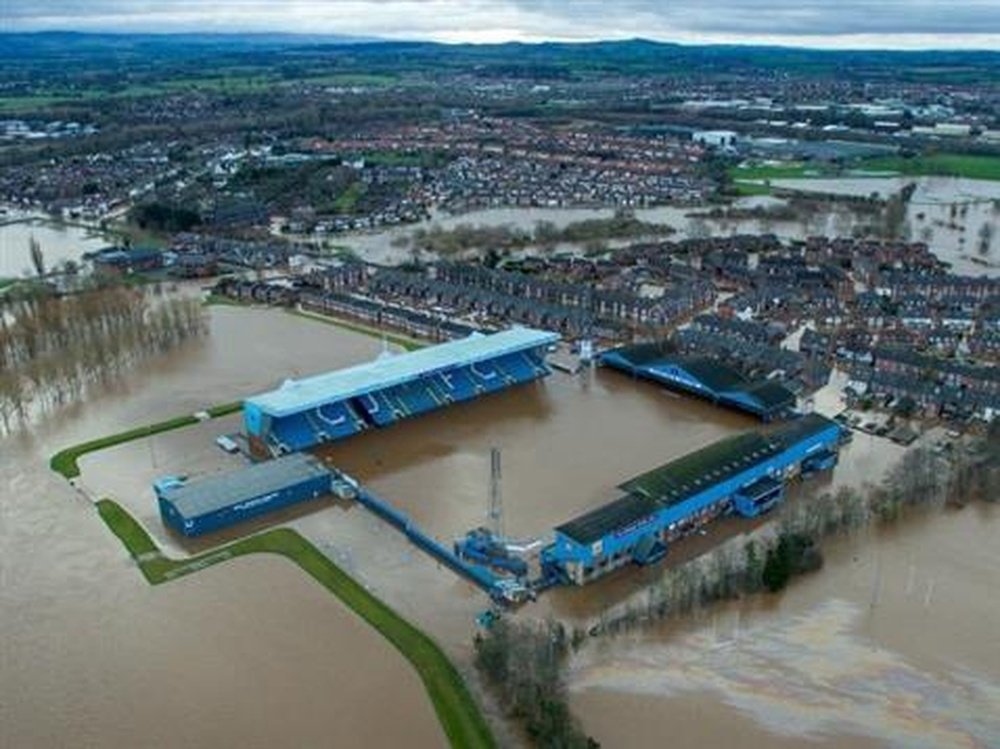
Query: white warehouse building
{"x": 715, "y": 138}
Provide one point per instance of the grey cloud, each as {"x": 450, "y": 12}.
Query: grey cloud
{"x": 785, "y": 17}
{"x": 730, "y": 19}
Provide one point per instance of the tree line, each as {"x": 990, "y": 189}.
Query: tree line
{"x": 544, "y": 234}
{"x": 53, "y": 348}
{"x": 522, "y": 662}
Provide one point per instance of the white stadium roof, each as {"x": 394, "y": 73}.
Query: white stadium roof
{"x": 311, "y": 392}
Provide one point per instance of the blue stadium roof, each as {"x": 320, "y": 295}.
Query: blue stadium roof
{"x": 300, "y": 395}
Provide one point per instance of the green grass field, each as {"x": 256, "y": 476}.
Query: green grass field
{"x": 458, "y": 712}
{"x": 238, "y": 81}
{"x": 347, "y": 201}
{"x": 941, "y": 164}
{"x": 747, "y": 179}
{"x": 749, "y": 189}
{"x": 65, "y": 463}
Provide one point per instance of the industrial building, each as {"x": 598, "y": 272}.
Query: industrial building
{"x": 207, "y": 504}
{"x": 703, "y": 377}
{"x": 304, "y": 413}
{"x": 745, "y": 474}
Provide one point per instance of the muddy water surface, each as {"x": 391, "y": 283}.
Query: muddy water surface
{"x": 565, "y": 444}
{"x": 250, "y": 653}
{"x": 896, "y": 642}
{"x": 893, "y": 643}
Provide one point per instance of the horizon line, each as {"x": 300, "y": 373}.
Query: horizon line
{"x": 356, "y": 39}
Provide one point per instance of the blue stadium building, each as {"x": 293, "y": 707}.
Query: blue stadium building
{"x": 705, "y": 378}
{"x": 210, "y": 503}
{"x": 745, "y": 474}
{"x": 304, "y": 413}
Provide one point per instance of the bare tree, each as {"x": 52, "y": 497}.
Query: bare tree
{"x": 37, "y": 256}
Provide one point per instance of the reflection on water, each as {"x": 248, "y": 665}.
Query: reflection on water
{"x": 808, "y": 675}
{"x": 896, "y": 639}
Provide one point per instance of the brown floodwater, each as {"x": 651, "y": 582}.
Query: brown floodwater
{"x": 896, "y": 642}
{"x": 893, "y": 643}
{"x": 249, "y": 653}
{"x": 565, "y": 443}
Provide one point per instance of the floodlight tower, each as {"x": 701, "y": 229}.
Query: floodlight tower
{"x": 495, "y": 513}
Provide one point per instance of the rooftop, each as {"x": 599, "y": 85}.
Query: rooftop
{"x": 613, "y": 516}
{"x": 695, "y": 472}
{"x": 689, "y": 475}
{"x": 388, "y": 370}
{"x": 205, "y": 495}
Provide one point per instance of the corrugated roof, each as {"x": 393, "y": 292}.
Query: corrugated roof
{"x": 608, "y": 518}
{"x": 799, "y": 429}
{"x": 311, "y": 392}
{"x": 204, "y": 495}
{"x": 772, "y": 395}
{"x": 689, "y": 475}
{"x": 695, "y": 472}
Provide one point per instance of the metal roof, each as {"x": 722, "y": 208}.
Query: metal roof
{"x": 205, "y": 495}
{"x": 299, "y": 395}
{"x": 689, "y": 475}
{"x": 608, "y": 518}
{"x": 802, "y": 428}
{"x": 695, "y": 472}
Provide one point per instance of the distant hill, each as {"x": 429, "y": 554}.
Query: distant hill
{"x": 548, "y": 59}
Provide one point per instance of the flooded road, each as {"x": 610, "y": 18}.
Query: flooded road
{"x": 249, "y": 653}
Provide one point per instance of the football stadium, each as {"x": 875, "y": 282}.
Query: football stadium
{"x": 743, "y": 474}
{"x": 704, "y": 378}
{"x": 302, "y": 414}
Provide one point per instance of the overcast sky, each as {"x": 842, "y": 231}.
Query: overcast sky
{"x": 818, "y": 23}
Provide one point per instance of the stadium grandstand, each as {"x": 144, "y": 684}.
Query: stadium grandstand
{"x": 304, "y": 413}
{"x": 745, "y": 474}
{"x": 703, "y": 377}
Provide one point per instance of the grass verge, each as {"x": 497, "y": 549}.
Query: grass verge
{"x": 65, "y": 463}
{"x": 460, "y": 717}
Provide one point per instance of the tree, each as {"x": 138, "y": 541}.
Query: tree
{"x": 37, "y": 256}
{"x": 986, "y": 238}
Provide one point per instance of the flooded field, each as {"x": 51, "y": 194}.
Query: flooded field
{"x": 59, "y": 243}
{"x": 893, "y": 643}
{"x": 565, "y": 444}
{"x": 251, "y": 653}
{"x": 951, "y": 233}
{"x": 929, "y": 218}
